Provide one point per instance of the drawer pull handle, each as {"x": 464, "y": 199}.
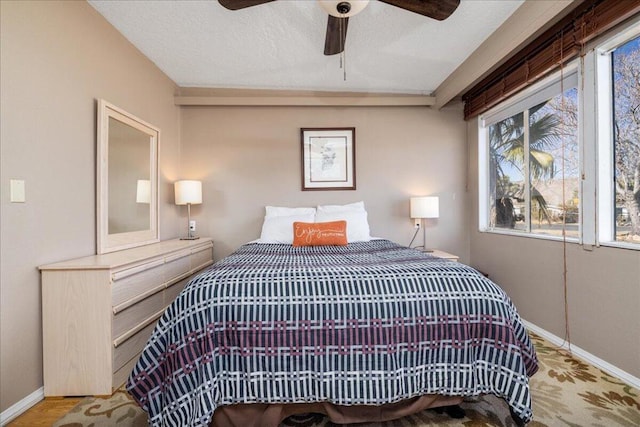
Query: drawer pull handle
{"x": 201, "y": 249}
{"x": 177, "y": 279}
{"x": 201, "y": 266}
{"x": 187, "y": 274}
{"x": 122, "y": 306}
{"x": 131, "y": 332}
{"x": 177, "y": 256}
{"x": 135, "y": 270}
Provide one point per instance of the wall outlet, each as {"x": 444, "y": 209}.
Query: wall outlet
{"x": 17, "y": 191}
{"x": 417, "y": 222}
{"x": 192, "y": 225}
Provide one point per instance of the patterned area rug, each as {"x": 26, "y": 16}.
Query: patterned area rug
{"x": 566, "y": 392}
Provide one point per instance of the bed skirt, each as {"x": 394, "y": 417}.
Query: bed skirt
{"x": 272, "y": 415}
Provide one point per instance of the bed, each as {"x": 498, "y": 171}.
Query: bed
{"x": 368, "y": 325}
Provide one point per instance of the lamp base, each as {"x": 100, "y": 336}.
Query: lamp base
{"x": 190, "y": 238}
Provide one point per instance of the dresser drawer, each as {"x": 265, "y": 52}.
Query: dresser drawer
{"x": 128, "y": 284}
{"x": 132, "y": 316}
{"x": 174, "y": 290}
{"x": 132, "y": 347}
{"x": 201, "y": 257}
{"x": 120, "y": 376}
{"x": 176, "y": 266}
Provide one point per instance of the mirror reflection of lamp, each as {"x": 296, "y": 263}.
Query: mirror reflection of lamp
{"x": 422, "y": 208}
{"x": 188, "y": 192}
{"x": 143, "y": 191}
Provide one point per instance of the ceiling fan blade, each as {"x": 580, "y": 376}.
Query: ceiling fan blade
{"x": 436, "y": 9}
{"x": 241, "y": 4}
{"x": 336, "y": 35}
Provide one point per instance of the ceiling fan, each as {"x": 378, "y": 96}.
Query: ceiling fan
{"x": 339, "y": 12}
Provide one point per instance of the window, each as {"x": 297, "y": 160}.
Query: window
{"x": 533, "y": 161}
{"x": 625, "y": 78}
{"x": 563, "y": 156}
{"x": 616, "y": 62}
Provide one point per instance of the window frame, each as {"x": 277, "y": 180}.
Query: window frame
{"x": 595, "y": 141}
{"x": 598, "y": 58}
{"x": 545, "y": 89}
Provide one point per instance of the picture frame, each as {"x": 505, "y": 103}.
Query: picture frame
{"x": 328, "y": 158}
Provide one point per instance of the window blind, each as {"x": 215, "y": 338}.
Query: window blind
{"x": 558, "y": 45}
{"x": 544, "y": 91}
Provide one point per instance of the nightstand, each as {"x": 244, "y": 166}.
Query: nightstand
{"x": 442, "y": 254}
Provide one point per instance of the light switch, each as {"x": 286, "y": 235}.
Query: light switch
{"x": 17, "y": 191}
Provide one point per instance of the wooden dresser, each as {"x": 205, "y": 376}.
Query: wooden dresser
{"x": 99, "y": 311}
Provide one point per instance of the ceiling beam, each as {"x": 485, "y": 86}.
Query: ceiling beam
{"x": 316, "y": 100}
{"x": 527, "y": 21}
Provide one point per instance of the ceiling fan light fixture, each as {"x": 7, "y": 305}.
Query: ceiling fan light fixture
{"x": 337, "y": 8}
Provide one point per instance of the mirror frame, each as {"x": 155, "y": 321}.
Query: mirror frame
{"x": 106, "y": 242}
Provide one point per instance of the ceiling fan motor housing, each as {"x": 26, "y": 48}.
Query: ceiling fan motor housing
{"x": 343, "y": 7}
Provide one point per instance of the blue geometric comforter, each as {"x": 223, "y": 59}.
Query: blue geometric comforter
{"x": 365, "y": 324}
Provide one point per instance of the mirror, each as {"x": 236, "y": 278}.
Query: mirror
{"x": 127, "y": 180}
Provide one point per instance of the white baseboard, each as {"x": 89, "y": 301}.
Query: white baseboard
{"x": 17, "y": 409}
{"x": 585, "y": 355}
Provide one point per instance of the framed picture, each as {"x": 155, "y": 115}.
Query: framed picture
{"x": 328, "y": 158}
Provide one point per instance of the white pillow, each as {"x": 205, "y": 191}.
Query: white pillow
{"x": 358, "y": 206}
{"x": 357, "y": 224}
{"x": 279, "y": 229}
{"x": 284, "y": 211}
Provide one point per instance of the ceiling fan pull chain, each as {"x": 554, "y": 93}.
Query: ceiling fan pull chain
{"x": 343, "y": 54}
{"x": 344, "y": 63}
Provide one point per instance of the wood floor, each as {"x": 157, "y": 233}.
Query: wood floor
{"x": 46, "y": 412}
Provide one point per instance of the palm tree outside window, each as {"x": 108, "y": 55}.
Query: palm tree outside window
{"x": 534, "y": 168}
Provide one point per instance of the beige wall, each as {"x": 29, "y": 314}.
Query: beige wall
{"x": 603, "y": 284}
{"x": 250, "y": 157}
{"x": 56, "y": 59}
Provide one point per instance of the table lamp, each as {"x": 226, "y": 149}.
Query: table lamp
{"x": 188, "y": 193}
{"x": 422, "y": 208}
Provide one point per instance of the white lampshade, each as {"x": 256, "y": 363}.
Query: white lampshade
{"x": 425, "y": 207}
{"x": 331, "y": 7}
{"x": 143, "y": 191}
{"x": 188, "y": 192}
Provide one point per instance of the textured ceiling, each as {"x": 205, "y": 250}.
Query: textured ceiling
{"x": 279, "y": 45}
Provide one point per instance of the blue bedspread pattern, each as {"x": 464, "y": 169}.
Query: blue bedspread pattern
{"x": 368, "y": 323}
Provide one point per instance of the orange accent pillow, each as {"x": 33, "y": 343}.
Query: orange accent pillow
{"x": 332, "y": 233}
